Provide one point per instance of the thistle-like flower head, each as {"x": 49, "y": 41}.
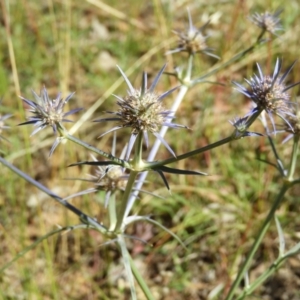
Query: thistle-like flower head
{"x": 107, "y": 177}
{"x": 268, "y": 21}
{"x": 192, "y": 40}
{"x": 47, "y": 112}
{"x": 269, "y": 93}
{"x": 110, "y": 178}
{"x": 142, "y": 111}
{"x": 293, "y": 125}
{"x": 241, "y": 125}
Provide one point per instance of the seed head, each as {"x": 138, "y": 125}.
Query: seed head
{"x": 47, "y": 112}
{"x": 192, "y": 40}
{"x": 268, "y": 21}
{"x": 142, "y": 111}
{"x": 269, "y": 93}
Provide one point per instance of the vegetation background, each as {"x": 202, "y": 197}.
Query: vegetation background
{"x": 74, "y": 46}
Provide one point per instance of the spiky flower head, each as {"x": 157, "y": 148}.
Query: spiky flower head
{"x": 192, "y": 40}
{"x": 142, "y": 111}
{"x": 293, "y": 125}
{"x": 47, "y": 112}
{"x": 269, "y": 92}
{"x": 108, "y": 178}
{"x": 268, "y": 21}
{"x": 241, "y": 125}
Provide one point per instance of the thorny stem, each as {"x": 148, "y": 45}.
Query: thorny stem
{"x": 286, "y": 185}
{"x": 191, "y": 153}
{"x": 125, "y": 199}
{"x": 263, "y": 277}
{"x": 126, "y": 260}
{"x": 188, "y": 76}
{"x": 235, "y": 135}
{"x": 111, "y": 157}
{"x": 253, "y": 117}
{"x": 280, "y": 166}
{"x": 85, "y": 218}
{"x": 140, "y": 280}
{"x": 293, "y": 158}
{"x": 233, "y": 59}
{"x": 137, "y": 160}
{"x": 137, "y": 164}
{"x": 112, "y": 211}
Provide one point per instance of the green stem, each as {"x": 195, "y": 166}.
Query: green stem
{"x": 235, "y": 135}
{"x": 140, "y": 281}
{"x": 191, "y": 153}
{"x": 137, "y": 164}
{"x": 188, "y": 76}
{"x": 112, "y": 211}
{"x": 263, "y": 277}
{"x": 233, "y": 59}
{"x": 258, "y": 240}
{"x": 126, "y": 195}
{"x": 85, "y": 218}
{"x": 137, "y": 160}
{"x": 254, "y": 116}
{"x": 280, "y": 166}
{"x": 293, "y": 158}
{"x": 126, "y": 260}
{"x": 114, "y": 159}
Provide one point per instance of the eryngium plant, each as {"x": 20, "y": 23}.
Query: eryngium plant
{"x": 142, "y": 112}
